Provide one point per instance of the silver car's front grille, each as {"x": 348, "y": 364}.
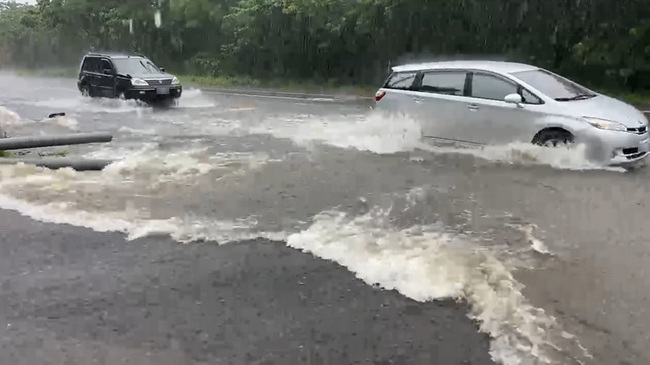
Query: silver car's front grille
{"x": 159, "y": 82}
{"x": 633, "y": 153}
{"x": 640, "y": 130}
{"x": 636, "y": 155}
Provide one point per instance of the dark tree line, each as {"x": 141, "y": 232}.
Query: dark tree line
{"x": 345, "y": 41}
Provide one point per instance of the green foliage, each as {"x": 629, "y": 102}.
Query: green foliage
{"x": 605, "y": 42}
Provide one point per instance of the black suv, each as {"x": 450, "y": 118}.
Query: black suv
{"x": 126, "y": 76}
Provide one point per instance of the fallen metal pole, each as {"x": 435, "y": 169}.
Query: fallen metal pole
{"x": 54, "y": 115}
{"x": 17, "y": 143}
{"x": 58, "y": 163}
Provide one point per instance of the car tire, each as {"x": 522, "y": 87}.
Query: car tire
{"x": 85, "y": 91}
{"x": 554, "y": 138}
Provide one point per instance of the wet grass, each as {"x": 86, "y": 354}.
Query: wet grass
{"x": 6, "y": 154}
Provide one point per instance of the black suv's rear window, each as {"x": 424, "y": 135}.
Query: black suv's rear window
{"x": 401, "y": 80}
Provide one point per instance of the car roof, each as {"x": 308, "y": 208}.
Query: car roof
{"x": 114, "y": 55}
{"x": 495, "y": 66}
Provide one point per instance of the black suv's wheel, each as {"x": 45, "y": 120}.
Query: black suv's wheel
{"x": 85, "y": 91}
{"x": 554, "y": 138}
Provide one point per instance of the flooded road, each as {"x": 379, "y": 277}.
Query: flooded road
{"x": 548, "y": 251}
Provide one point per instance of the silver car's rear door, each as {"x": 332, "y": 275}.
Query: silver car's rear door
{"x": 442, "y": 104}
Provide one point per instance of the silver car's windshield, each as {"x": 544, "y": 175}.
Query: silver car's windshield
{"x": 135, "y": 66}
{"x": 553, "y": 86}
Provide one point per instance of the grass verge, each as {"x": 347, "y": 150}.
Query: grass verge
{"x": 6, "y": 154}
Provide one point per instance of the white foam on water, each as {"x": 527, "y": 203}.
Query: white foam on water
{"x": 68, "y": 122}
{"x": 8, "y": 118}
{"x": 536, "y": 244}
{"x": 96, "y": 105}
{"x": 176, "y": 166}
{"x": 366, "y": 132}
{"x": 182, "y": 230}
{"x": 194, "y": 98}
{"x": 122, "y": 150}
{"x": 59, "y": 196}
{"x": 137, "y": 131}
{"x": 424, "y": 264}
{"x": 519, "y": 153}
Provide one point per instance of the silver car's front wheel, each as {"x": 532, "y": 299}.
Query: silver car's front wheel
{"x": 554, "y": 138}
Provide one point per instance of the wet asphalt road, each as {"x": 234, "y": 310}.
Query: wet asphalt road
{"x": 576, "y": 240}
{"x": 72, "y": 296}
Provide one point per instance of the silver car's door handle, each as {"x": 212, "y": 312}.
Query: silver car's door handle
{"x": 417, "y": 100}
{"x": 472, "y": 107}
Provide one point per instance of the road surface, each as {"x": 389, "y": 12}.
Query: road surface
{"x": 248, "y": 229}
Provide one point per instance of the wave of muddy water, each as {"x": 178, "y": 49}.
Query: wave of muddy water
{"x": 548, "y": 250}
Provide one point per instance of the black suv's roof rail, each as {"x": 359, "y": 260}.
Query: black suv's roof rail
{"x": 113, "y": 54}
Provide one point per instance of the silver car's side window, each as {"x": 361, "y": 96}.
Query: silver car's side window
{"x": 490, "y": 87}
{"x": 530, "y": 98}
{"x": 444, "y": 82}
{"x": 401, "y": 80}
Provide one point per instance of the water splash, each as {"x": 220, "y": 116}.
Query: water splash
{"x": 366, "y": 132}
{"x": 424, "y": 263}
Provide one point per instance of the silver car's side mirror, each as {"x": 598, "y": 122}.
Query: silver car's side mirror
{"x": 514, "y": 99}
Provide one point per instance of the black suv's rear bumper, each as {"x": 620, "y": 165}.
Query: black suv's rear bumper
{"x": 152, "y": 94}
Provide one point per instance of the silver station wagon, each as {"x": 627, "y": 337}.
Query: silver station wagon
{"x": 492, "y": 102}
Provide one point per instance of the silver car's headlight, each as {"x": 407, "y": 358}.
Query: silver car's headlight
{"x": 138, "y": 82}
{"x": 175, "y": 81}
{"x": 605, "y": 124}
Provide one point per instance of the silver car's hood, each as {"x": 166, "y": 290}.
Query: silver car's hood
{"x": 609, "y": 108}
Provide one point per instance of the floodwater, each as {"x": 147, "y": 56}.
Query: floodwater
{"x": 548, "y": 250}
